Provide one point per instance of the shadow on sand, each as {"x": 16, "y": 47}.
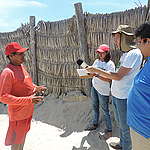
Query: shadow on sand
{"x": 94, "y": 140}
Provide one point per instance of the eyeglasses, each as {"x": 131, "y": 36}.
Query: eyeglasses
{"x": 141, "y": 41}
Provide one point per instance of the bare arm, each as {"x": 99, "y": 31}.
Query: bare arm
{"x": 103, "y": 78}
{"x": 110, "y": 75}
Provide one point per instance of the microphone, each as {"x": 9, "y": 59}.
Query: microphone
{"x": 81, "y": 63}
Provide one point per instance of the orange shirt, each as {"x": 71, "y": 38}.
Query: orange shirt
{"x": 16, "y": 89}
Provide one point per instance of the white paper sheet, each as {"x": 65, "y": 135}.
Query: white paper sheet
{"x": 82, "y": 72}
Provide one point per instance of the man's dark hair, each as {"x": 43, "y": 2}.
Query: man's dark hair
{"x": 143, "y": 31}
{"x": 107, "y": 57}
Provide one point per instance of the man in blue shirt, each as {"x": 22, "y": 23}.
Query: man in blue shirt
{"x": 138, "y": 109}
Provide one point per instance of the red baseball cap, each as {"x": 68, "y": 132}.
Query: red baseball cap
{"x": 14, "y": 47}
{"x": 103, "y": 48}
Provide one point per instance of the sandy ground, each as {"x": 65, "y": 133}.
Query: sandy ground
{"x": 59, "y": 125}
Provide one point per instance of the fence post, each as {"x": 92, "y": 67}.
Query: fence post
{"x": 33, "y": 49}
{"x": 148, "y": 11}
{"x": 82, "y": 40}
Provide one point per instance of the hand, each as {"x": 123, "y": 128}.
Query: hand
{"x": 97, "y": 75}
{"x": 37, "y": 99}
{"x": 92, "y": 74}
{"x": 40, "y": 89}
{"x": 91, "y": 69}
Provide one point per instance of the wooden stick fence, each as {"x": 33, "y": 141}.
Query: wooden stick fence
{"x": 55, "y": 46}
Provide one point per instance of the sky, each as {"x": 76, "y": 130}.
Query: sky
{"x": 13, "y": 13}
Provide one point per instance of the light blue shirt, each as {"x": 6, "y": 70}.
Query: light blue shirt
{"x": 138, "y": 110}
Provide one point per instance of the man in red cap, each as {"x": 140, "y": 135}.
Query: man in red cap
{"x": 17, "y": 91}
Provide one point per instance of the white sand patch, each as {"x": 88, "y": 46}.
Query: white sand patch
{"x": 43, "y": 136}
{"x": 59, "y": 125}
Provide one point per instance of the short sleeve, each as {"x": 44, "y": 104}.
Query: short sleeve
{"x": 132, "y": 59}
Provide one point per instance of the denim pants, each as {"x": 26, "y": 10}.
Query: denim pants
{"x": 120, "y": 112}
{"x": 103, "y": 102}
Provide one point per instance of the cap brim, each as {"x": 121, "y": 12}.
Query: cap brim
{"x": 22, "y": 50}
{"x": 127, "y": 33}
{"x": 99, "y": 51}
{"x": 114, "y": 32}
{"x": 117, "y": 31}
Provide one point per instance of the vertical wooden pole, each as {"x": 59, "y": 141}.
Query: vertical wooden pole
{"x": 147, "y": 13}
{"x": 148, "y": 2}
{"x": 82, "y": 40}
{"x": 33, "y": 49}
